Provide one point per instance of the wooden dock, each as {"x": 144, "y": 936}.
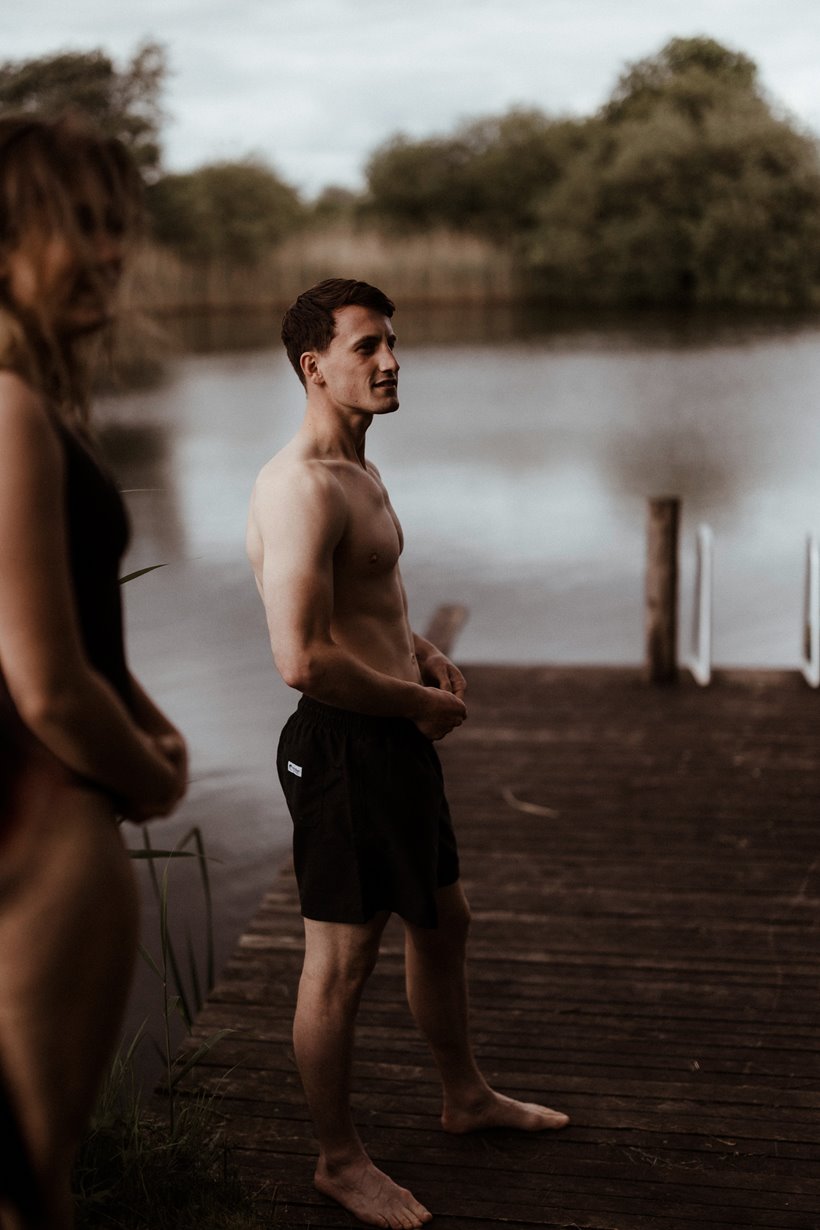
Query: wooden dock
{"x": 644, "y": 870}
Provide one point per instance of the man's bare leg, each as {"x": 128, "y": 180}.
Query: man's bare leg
{"x": 437, "y": 993}
{"x": 339, "y": 958}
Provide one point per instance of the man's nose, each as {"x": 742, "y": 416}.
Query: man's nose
{"x": 389, "y": 361}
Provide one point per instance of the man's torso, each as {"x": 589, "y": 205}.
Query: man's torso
{"x": 369, "y": 615}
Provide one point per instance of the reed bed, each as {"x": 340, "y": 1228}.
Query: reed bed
{"x": 439, "y": 267}
{"x": 161, "y": 1162}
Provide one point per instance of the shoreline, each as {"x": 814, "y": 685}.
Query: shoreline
{"x": 420, "y": 269}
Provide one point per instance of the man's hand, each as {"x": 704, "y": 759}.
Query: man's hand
{"x": 438, "y": 671}
{"x": 443, "y": 712}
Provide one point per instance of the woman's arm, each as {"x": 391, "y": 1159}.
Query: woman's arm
{"x": 66, "y": 704}
{"x": 147, "y": 714}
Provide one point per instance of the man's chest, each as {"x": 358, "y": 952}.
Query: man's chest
{"x": 372, "y": 542}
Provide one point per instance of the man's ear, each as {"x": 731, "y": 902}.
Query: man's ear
{"x": 309, "y": 363}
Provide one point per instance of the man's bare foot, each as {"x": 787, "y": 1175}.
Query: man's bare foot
{"x": 370, "y": 1195}
{"x": 495, "y": 1110}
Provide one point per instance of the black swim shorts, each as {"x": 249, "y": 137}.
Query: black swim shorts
{"x": 371, "y": 825}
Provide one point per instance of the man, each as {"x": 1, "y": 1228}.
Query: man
{"x": 372, "y": 831}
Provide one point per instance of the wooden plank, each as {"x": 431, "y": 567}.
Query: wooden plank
{"x": 445, "y": 625}
{"x": 644, "y": 954}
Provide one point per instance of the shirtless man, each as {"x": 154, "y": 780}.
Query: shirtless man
{"x": 372, "y": 832}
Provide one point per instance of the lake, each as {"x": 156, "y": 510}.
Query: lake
{"x": 519, "y": 463}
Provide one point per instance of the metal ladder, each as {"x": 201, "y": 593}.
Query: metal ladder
{"x": 810, "y": 665}
{"x": 700, "y": 660}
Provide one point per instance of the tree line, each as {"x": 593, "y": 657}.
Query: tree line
{"x": 689, "y": 186}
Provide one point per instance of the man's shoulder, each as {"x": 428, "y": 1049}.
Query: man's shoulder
{"x": 291, "y": 478}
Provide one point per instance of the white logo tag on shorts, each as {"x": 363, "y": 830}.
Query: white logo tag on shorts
{"x": 295, "y": 769}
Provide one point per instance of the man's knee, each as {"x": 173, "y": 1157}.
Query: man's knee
{"x": 353, "y": 968}
{"x": 456, "y": 918}
{"x": 340, "y": 960}
{"x": 453, "y": 924}
{"x": 454, "y": 910}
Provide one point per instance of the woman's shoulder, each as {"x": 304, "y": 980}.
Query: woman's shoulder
{"x": 19, "y": 397}
{"x": 25, "y": 423}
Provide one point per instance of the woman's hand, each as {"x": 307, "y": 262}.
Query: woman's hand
{"x": 170, "y": 752}
{"x": 174, "y": 748}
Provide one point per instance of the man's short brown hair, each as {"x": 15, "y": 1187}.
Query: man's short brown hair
{"x": 308, "y": 324}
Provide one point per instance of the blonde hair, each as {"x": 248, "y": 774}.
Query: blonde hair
{"x": 43, "y": 163}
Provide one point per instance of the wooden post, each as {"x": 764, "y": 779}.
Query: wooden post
{"x": 662, "y": 590}
{"x": 445, "y": 625}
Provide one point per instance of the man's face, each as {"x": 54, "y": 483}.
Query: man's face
{"x": 359, "y": 369}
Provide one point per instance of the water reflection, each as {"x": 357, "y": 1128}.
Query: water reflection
{"x": 212, "y": 332}
{"x": 140, "y": 454}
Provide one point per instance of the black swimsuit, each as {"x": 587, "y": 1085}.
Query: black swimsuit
{"x": 97, "y": 535}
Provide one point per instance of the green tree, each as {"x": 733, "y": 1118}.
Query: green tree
{"x": 419, "y": 184}
{"x": 124, "y": 102}
{"x": 691, "y": 190}
{"x": 488, "y": 177}
{"x": 689, "y": 186}
{"x": 690, "y": 75}
{"x": 336, "y": 204}
{"x": 229, "y": 210}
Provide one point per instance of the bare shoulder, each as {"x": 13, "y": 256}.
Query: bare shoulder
{"x": 25, "y": 430}
{"x": 289, "y": 477}
{"x": 292, "y": 488}
{"x": 31, "y": 471}
{"x": 18, "y": 399}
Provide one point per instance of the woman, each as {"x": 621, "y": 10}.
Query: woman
{"x": 80, "y": 742}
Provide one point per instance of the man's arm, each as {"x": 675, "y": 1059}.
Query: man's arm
{"x": 301, "y": 516}
{"x": 436, "y": 668}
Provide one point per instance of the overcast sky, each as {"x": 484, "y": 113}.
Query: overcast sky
{"x": 313, "y": 86}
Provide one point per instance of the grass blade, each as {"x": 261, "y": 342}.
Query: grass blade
{"x": 140, "y": 572}
{"x": 199, "y": 1053}
{"x": 155, "y": 853}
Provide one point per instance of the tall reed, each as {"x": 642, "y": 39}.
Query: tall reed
{"x": 182, "y": 996}
{"x": 137, "y": 1168}
{"x": 436, "y": 268}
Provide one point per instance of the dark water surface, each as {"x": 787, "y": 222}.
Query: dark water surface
{"x": 519, "y": 463}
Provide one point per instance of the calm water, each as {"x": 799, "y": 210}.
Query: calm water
{"x": 519, "y": 464}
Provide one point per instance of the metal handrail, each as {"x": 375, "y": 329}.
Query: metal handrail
{"x": 810, "y": 666}
{"x": 700, "y": 661}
